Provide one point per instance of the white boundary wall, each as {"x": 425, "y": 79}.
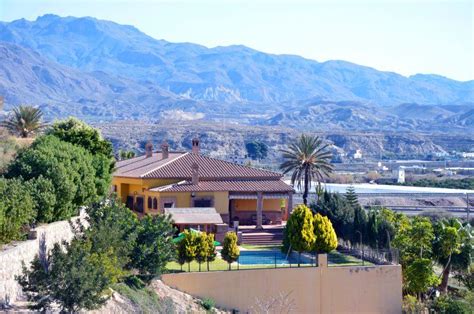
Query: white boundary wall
{"x": 13, "y": 254}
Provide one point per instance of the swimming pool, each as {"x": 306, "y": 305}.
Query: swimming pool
{"x": 271, "y": 257}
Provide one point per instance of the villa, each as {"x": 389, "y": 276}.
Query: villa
{"x": 160, "y": 180}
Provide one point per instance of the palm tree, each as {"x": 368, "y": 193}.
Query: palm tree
{"x": 308, "y": 160}
{"x": 24, "y": 121}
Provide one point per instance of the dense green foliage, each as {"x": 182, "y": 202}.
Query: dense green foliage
{"x": 67, "y": 166}
{"x": 16, "y": 210}
{"x": 422, "y": 243}
{"x": 70, "y": 275}
{"x": 211, "y": 249}
{"x": 77, "y": 275}
{"x": 300, "y": 230}
{"x": 202, "y": 249}
{"x": 325, "y": 236}
{"x": 308, "y": 161}
{"x": 80, "y": 134}
{"x": 187, "y": 248}
{"x": 77, "y": 132}
{"x": 196, "y": 246}
{"x": 257, "y": 150}
{"x": 230, "y": 250}
{"x": 375, "y": 228}
{"x": 24, "y": 121}
{"x": 208, "y": 304}
{"x": 155, "y": 247}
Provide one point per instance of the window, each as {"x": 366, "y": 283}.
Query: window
{"x": 155, "y": 203}
{"x": 150, "y": 202}
{"x": 168, "y": 205}
{"x": 203, "y": 203}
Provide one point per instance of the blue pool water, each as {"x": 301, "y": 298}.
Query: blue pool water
{"x": 270, "y": 257}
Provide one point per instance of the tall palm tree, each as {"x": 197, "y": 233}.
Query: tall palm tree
{"x": 24, "y": 121}
{"x": 308, "y": 160}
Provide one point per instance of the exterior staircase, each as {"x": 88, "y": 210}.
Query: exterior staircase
{"x": 270, "y": 236}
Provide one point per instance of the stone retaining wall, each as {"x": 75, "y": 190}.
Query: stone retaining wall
{"x": 12, "y": 255}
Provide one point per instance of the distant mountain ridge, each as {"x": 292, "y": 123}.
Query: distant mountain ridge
{"x": 233, "y": 74}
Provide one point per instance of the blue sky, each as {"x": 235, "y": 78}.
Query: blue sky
{"x": 408, "y": 37}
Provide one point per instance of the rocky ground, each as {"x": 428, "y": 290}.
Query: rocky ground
{"x": 161, "y": 299}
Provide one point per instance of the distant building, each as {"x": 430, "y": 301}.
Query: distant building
{"x": 357, "y": 154}
{"x": 399, "y": 174}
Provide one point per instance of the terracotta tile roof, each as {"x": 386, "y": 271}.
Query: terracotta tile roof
{"x": 178, "y": 166}
{"x": 209, "y": 168}
{"x": 228, "y": 185}
{"x": 138, "y": 166}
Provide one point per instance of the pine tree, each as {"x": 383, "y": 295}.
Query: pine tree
{"x": 300, "y": 230}
{"x": 230, "y": 251}
{"x": 325, "y": 236}
{"x": 351, "y": 197}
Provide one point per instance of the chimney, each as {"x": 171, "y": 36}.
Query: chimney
{"x": 148, "y": 149}
{"x": 164, "y": 149}
{"x": 195, "y": 145}
{"x": 195, "y": 172}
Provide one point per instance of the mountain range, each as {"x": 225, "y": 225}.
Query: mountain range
{"x": 101, "y": 70}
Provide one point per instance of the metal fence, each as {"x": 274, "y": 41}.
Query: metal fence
{"x": 268, "y": 259}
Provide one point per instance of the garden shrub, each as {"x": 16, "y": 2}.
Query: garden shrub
{"x": 16, "y": 210}
{"x": 230, "y": 250}
{"x": 208, "y": 304}
{"x": 44, "y": 198}
{"x": 325, "y": 236}
{"x": 155, "y": 247}
{"x": 69, "y": 276}
{"x": 67, "y": 166}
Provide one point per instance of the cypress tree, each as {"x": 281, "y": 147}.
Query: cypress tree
{"x": 230, "y": 251}
{"x": 211, "y": 249}
{"x": 202, "y": 249}
{"x": 325, "y": 236}
{"x": 300, "y": 230}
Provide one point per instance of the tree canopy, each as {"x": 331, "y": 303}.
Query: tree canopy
{"x": 24, "y": 121}
{"x": 325, "y": 236}
{"x": 69, "y": 169}
{"x": 308, "y": 161}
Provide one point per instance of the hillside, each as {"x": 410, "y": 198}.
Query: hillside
{"x": 224, "y": 74}
{"x": 27, "y": 77}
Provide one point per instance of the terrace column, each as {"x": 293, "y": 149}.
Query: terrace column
{"x": 259, "y": 210}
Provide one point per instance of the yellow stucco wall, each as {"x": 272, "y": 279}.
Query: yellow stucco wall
{"x": 376, "y": 289}
{"x": 139, "y": 187}
{"x": 251, "y": 205}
